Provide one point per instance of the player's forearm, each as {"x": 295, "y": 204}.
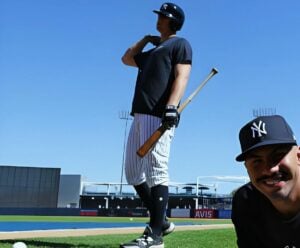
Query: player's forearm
{"x": 182, "y": 74}
{"x": 177, "y": 92}
{"x": 128, "y": 57}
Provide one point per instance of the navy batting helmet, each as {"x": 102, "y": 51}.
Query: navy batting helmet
{"x": 174, "y": 12}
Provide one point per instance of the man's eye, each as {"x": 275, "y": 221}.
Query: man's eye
{"x": 278, "y": 156}
{"x": 256, "y": 162}
{"x": 281, "y": 152}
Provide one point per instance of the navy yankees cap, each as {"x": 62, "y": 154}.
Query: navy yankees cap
{"x": 262, "y": 131}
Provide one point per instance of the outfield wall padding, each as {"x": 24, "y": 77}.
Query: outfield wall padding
{"x": 41, "y": 211}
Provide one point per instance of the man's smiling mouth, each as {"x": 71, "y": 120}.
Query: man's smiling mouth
{"x": 275, "y": 178}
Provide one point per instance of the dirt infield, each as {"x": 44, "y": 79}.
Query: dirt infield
{"x": 97, "y": 231}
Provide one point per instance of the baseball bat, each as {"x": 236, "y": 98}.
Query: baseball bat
{"x": 143, "y": 150}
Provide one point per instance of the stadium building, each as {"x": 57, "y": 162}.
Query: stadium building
{"x": 44, "y": 191}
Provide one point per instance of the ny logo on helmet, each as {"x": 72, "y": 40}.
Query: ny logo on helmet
{"x": 258, "y": 129}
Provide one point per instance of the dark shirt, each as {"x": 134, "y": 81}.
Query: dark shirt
{"x": 156, "y": 75}
{"x": 258, "y": 224}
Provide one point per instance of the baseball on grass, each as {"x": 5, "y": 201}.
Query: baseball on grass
{"x": 131, "y": 219}
{"x": 19, "y": 245}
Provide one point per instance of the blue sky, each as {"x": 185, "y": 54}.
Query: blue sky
{"x": 62, "y": 83}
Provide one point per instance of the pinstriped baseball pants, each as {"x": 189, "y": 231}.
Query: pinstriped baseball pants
{"x": 153, "y": 167}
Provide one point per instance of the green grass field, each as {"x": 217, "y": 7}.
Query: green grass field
{"x": 223, "y": 238}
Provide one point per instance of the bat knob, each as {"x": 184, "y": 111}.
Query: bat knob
{"x": 214, "y": 70}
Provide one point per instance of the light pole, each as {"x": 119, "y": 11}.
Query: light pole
{"x": 124, "y": 115}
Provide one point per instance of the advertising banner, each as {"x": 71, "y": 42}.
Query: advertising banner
{"x": 180, "y": 213}
{"x": 205, "y": 213}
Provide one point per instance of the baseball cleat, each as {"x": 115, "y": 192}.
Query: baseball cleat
{"x": 168, "y": 228}
{"x": 148, "y": 240}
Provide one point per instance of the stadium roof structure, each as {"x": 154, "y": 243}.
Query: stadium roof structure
{"x": 115, "y": 188}
{"x": 108, "y": 188}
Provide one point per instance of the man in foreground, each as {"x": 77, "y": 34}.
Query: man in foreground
{"x": 266, "y": 211}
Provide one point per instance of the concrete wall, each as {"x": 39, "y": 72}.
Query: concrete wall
{"x": 69, "y": 191}
{"x": 29, "y": 187}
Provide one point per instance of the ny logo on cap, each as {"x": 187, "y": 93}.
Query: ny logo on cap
{"x": 259, "y": 129}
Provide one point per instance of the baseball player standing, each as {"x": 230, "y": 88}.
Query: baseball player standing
{"x": 163, "y": 73}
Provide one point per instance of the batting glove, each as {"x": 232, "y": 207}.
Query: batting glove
{"x": 170, "y": 117}
{"x": 154, "y": 40}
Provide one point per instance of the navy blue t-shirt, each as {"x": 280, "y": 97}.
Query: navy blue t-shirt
{"x": 259, "y": 225}
{"x": 156, "y": 75}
